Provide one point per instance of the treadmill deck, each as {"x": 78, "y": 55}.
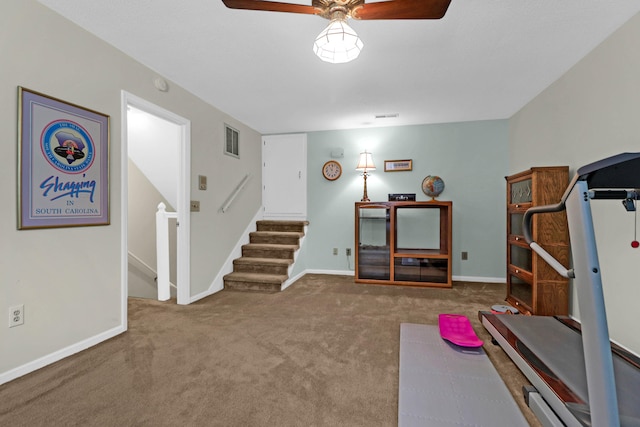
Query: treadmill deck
{"x": 551, "y": 355}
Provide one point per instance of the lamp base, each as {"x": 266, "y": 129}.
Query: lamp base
{"x": 365, "y": 197}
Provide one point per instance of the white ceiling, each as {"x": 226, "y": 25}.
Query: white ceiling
{"x": 484, "y": 60}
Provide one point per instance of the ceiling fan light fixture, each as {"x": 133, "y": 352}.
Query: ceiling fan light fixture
{"x": 338, "y": 43}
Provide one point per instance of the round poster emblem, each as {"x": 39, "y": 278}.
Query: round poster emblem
{"x": 67, "y": 146}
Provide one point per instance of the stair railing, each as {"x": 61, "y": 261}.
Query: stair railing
{"x": 162, "y": 251}
{"x": 133, "y": 259}
{"x": 150, "y": 271}
{"x": 238, "y": 189}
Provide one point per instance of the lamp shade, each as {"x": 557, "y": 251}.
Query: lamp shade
{"x": 365, "y": 162}
{"x": 337, "y": 43}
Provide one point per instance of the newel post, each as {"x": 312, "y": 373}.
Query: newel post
{"x": 162, "y": 252}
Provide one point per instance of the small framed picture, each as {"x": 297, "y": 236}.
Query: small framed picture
{"x": 398, "y": 165}
{"x": 63, "y": 163}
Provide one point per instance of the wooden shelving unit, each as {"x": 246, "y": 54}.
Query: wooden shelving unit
{"x": 532, "y": 285}
{"x": 403, "y": 243}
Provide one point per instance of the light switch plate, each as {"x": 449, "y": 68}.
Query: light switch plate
{"x": 195, "y": 206}
{"x": 202, "y": 182}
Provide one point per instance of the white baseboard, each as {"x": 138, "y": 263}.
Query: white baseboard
{"x": 218, "y": 283}
{"x": 479, "y": 279}
{"x": 455, "y": 278}
{"x": 60, "y": 354}
{"x": 90, "y": 342}
{"x": 291, "y": 280}
{"x": 331, "y": 272}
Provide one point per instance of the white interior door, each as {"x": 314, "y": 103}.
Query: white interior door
{"x": 284, "y": 176}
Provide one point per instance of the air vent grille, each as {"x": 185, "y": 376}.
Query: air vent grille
{"x": 232, "y": 141}
{"x": 387, "y": 116}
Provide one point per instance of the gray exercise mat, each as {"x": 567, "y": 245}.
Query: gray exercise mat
{"x": 442, "y": 384}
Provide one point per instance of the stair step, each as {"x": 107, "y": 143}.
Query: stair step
{"x": 276, "y": 237}
{"x": 262, "y": 265}
{"x": 263, "y": 261}
{"x": 270, "y": 225}
{"x": 254, "y": 282}
{"x": 266, "y": 250}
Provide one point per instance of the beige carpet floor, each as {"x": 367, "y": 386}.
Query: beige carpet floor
{"x": 322, "y": 353}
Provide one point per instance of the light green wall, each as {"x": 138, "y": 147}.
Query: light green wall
{"x": 590, "y": 113}
{"x": 470, "y": 157}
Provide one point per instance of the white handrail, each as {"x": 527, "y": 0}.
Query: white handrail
{"x": 238, "y": 189}
{"x": 147, "y": 267}
{"x": 143, "y": 264}
{"x": 162, "y": 250}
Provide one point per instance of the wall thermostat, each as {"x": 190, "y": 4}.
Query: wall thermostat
{"x": 337, "y": 153}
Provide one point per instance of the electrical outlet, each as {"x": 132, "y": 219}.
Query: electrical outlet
{"x": 348, "y": 251}
{"x": 335, "y": 251}
{"x": 465, "y": 256}
{"x": 16, "y": 315}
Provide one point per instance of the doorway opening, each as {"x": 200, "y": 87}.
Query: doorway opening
{"x": 155, "y": 168}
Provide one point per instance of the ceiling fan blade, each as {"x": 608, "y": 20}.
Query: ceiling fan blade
{"x": 271, "y": 6}
{"x": 403, "y": 9}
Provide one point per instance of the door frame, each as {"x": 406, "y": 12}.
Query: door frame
{"x": 294, "y": 167}
{"x": 183, "y": 195}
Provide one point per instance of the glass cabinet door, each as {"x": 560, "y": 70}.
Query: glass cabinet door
{"x": 516, "y": 224}
{"x": 432, "y": 270}
{"x": 521, "y": 290}
{"x": 373, "y": 245}
{"x": 521, "y": 257}
{"x": 521, "y": 192}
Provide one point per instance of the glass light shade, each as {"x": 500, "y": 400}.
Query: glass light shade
{"x": 337, "y": 43}
{"x": 365, "y": 162}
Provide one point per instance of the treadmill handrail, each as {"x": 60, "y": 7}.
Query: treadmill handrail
{"x": 527, "y": 231}
{"x": 614, "y": 173}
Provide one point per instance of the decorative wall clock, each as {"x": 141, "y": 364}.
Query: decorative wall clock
{"x": 332, "y": 170}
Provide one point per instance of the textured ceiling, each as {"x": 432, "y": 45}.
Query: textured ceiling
{"x": 484, "y": 60}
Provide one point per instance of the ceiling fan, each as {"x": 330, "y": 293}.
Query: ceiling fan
{"x": 338, "y": 42}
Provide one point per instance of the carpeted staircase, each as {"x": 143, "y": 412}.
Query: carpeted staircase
{"x": 264, "y": 265}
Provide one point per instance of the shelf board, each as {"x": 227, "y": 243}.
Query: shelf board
{"x": 420, "y": 253}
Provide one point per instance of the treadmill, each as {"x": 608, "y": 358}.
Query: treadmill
{"x": 578, "y": 377}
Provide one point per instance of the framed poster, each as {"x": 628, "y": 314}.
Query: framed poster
{"x": 63, "y": 165}
{"x": 398, "y": 165}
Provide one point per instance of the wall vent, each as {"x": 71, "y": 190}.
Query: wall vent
{"x": 231, "y": 141}
{"x": 387, "y": 116}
